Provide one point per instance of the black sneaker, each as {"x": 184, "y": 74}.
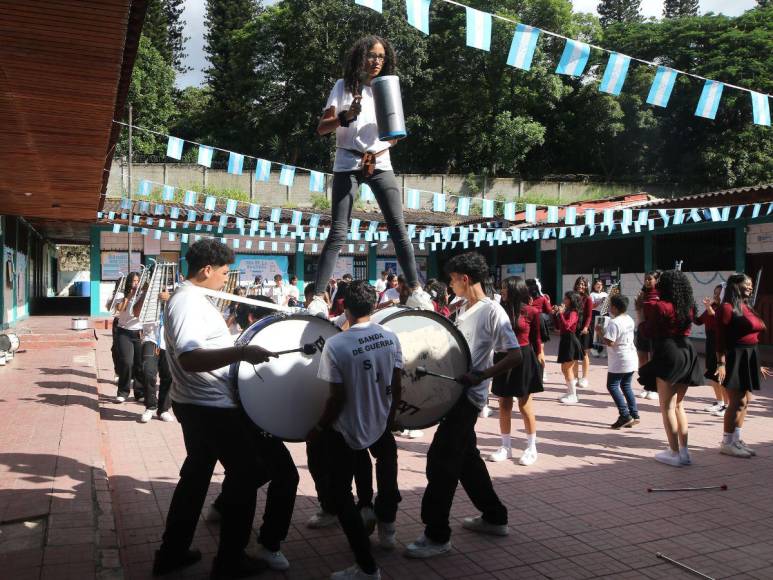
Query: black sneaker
{"x": 622, "y": 422}
{"x": 635, "y": 421}
{"x": 233, "y": 568}
{"x": 165, "y": 563}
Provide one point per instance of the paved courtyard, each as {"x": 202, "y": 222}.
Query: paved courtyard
{"x": 84, "y": 488}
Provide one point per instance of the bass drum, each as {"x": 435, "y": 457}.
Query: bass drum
{"x": 429, "y": 340}
{"x": 9, "y": 342}
{"x": 283, "y": 396}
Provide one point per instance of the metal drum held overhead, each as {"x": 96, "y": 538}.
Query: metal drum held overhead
{"x": 389, "y": 108}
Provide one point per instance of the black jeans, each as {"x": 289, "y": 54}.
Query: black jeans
{"x": 214, "y": 434}
{"x": 155, "y": 364}
{"x": 454, "y": 458}
{"x": 389, "y": 197}
{"x": 363, "y": 476}
{"x": 129, "y": 362}
{"x": 114, "y": 347}
{"x": 342, "y": 461}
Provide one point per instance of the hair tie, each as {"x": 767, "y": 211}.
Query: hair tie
{"x": 539, "y": 286}
{"x": 722, "y": 293}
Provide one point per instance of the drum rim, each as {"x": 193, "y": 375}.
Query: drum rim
{"x": 265, "y": 322}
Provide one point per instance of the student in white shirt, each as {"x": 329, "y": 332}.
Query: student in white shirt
{"x": 200, "y": 350}
{"x": 363, "y": 366}
{"x": 293, "y": 294}
{"x": 453, "y": 457}
{"x": 623, "y": 361}
{"x": 129, "y": 346}
{"x": 381, "y": 283}
{"x": 598, "y": 296}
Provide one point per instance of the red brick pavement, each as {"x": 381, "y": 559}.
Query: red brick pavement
{"x": 581, "y": 512}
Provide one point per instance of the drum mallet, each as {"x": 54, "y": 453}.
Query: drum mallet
{"x": 723, "y": 487}
{"x": 683, "y": 566}
{"x": 422, "y": 372}
{"x": 308, "y": 349}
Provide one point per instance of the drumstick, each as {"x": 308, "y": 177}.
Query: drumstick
{"x": 422, "y": 371}
{"x": 683, "y": 566}
{"x": 723, "y": 487}
{"x": 305, "y": 349}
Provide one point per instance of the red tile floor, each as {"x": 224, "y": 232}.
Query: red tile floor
{"x": 89, "y": 487}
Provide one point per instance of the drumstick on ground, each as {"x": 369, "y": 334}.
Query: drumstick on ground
{"x": 422, "y": 371}
{"x": 723, "y": 487}
{"x": 683, "y": 566}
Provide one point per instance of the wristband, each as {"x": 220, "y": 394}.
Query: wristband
{"x": 719, "y": 364}
{"x": 342, "y": 120}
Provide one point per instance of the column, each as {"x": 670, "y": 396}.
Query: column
{"x": 95, "y": 277}
{"x": 373, "y": 273}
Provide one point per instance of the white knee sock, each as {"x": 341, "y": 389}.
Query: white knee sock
{"x": 737, "y": 434}
{"x": 506, "y": 440}
{"x": 531, "y": 440}
{"x": 727, "y": 438}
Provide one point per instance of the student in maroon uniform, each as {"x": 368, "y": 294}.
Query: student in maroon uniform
{"x": 541, "y": 302}
{"x": 738, "y": 363}
{"x": 568, "y": 319}
{"x": 648, "y": 295}
{"x": 524, "y": 379}
{"x": 708, "y": 319}
{"x": 674, "y": 365}
{"x": 584, "y": 332}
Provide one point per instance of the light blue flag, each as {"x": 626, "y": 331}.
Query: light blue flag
{"x": 116, "y": 228}
{"x": 678, "y": 216}
{"x": 463, "y": 206}
{"x": 418, "y": 14}
{"x": 261, "y": 245}
{"x": 615, "y": 73}
{"x": 235, "y": 163}
{"x": 313, "y": 233}
{"x": 488, "y": 208}
{"x": 174, "y": 148}
{"x": 144, "y": 206}
{"x": 283, "y": 230}
{"x": 191, "y": 215}
{"x": 144, "y": 188}
{"x": 190, "y": 198}
{"x": 235, "y": 243}
{"x": 174, "y": 213}
{"x": 510, "y": 211}
{"x": 660, "y": 91}
{"x": 297, "y": 216}
{"x": 184, "y": 238}
{"x": 314, "y": 220}
{"x": 158, "y": 209}
{"x": 709, "y": 101}
{"x": 570, "y": 216}
{"x": 590, "y": 217}
{"x": 574, "y": 58}
{"x": 411, "y": 230}
{"x": 254, "y": 211}
{"x": 123, "y": 215}
{"x": 168, "y": 193}
{"x": 725, "y": 214}
{"x": 552, "y": 214}
{"x": 149, "y": 221}
{"x": 248, "y": 244}
{"x": 643, "y": 217}
{"x": 210, "y": 202}
{"x": 756, "y": 210}
{"x": 438, "y": 202}
{"x": 761, "y": 109}
{"x": 262, "y": 170}
{"x": 372, "y": 4}
{"x": 274, "y": 246}
{"x": 531, "y": 213}
{"x": 413, "y": 199}
{"x": 316, "y": 181}
{"x": 126, "y": 203}
{"x": 739, "y": 211}
{"x": 609, "y": 218}
{"x": 561, "y": 233}
{"x": 223, "y": 221}
{"x": 208, "y": 216}
{"x": 695, "y": 216}
{"x": 276, "y": 215}
{"x": 156, "y": 234}
{"x": 366, "y": 193}
{"x": 287, "y": 175}
{"x": 172, "y": 236}
{"x": 111, "y": 215}
{"x": 205, "y": 155}
{"x": 230, "y": 206}
{"x": 478, "y": 29}
{"x": 627, "y": 216}
{"x": 523, "y": 46}
{"x": 715, "y": 215}
{"x": 136, "y": 219}
{"x": 770, "y": 209}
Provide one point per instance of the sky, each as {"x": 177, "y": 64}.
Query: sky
{"x": 194, "y": 28}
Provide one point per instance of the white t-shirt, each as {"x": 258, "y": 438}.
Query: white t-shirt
{"x": 362, "y": 359}
{"x": 487, "y": 329}
{"x": 380, "y": 285}
{"x": 293, "y": 292}
{"x": 127, "y": 320}
{"x": 389, "y": 295}
{"x": 116, "y": 300}
{"x": 191, "y": 323}
{"x": 598, "y": 298}
{"x": 622, "y": 354}
{"x": 361, "y": 134}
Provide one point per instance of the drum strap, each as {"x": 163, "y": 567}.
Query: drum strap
{"x": 235, "y": 298}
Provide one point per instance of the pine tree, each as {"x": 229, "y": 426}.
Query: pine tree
{"x": 164, "y": 29}
{"x": 763, "y": 3}
{"x": 680, "y": 8}
{"x": 614, "y": 11}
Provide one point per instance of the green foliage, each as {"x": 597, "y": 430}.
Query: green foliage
{"x": 320, "y": 202}
{"x": 680, "y": 8}
{"x": 164, "y": 28}
{"x": 616, "y": 11}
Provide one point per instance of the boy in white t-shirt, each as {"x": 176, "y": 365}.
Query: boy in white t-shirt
{"x": 453, "y": 457}
{"x": 363, "y": 366}
{"x": 622, "y": 362}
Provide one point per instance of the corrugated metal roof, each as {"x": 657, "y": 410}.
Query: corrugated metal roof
{"x": 753, "y": 194}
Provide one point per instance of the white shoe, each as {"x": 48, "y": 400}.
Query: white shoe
{"x": 478, "y": 524}
{"x": 166, "y": 416}
{"x": 120, "y": 399}
{"x": 410, "y": 433}
{"x": 387, "y": 536}
{"x": 368, "y": 519}
{"x": 420, "y": 299}
{"x": 643, "y": 394}
{"x": 719, "y": 412}
{"x": 583, "y": 383}
{"x": 321, "y": 519}
{"x": 715, "y": 407}
{"x": 668, "y": 457}
{"x": 529, "y": 456}
{"x": 147, "y": 415}
{"x": 355, "y": 573}
{"x": 570, "y": 399}
{"x": 734, "y": 449}
{"x": 275, "y": 560}
{"x": 423, "y": 547}
{"x": 501, "y": 454}
{"x": 485, "y": 412}
{"x": 652, "y": 395}
{"x": 116, "y": 378}
{"x": 684, "y": 457}
{"x": 751, "y": 451}
{"x": 318, "y": 307}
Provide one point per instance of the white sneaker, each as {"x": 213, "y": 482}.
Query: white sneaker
{"x": 668, "y": 457}
{"x": 485, "y": 412}
{"x": 410, "y": 433}
{"x": 501, "y": 454}
{"x": 684, "y": 457}
{"x": 751, "y": 451}
{"x": 387, "y": 536}
{"x": 275, "y": 560}
{"x": 355, "y": 573}
{"x": 166, "y": 416}
{"x": 147, "y": 415}
{"x": 643, "y": 394}
{"x": 719, "y": 412}
{"x": 420, "y": 299}
{"x": 116, "y": 378}
{"x": 368, "y": 519}
{"x": 318, "y": 307}
{"x": 568, "y": 399}
{"x": 120, "y": 399}
{"x": 583, "y": 383}
{"x": 715, "y": 407}
{"x": 423, "y": 547}
{"x": 322, "y": 519}
{"x": 652, "y": 395}
{"x": 478, "y": 524}
{"x": 529, "y": 456}
{"x": 734, "y": 449}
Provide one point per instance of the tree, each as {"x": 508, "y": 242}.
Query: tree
{"x": 164, "y": 28}
{"x": 612, "y": 11}
{"x": 680, "y": 8}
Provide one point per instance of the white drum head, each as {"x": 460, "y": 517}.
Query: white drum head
{"x": 284, "y": 397}
{"x": 429, "y": 340}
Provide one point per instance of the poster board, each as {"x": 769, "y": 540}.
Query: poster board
{"x": 115, "y": 263}
{"x": 264, "y": 266}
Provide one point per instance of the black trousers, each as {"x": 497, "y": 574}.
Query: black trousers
{"x": 129, "y": 362}
{"x": 283, "y": 479}
{"x": 363, "y": 476}
{"x": 155, "y": 364}
{"x": 114, "y": 347}
{"x": 453, "y": 458}
{"x": 214, "y": 434}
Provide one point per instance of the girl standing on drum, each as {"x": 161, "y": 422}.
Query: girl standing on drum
{"x": 568, "y": 318}
{"x": 708, "y": 318}
{"x": 583, "y": 330}
{"x": 523, "y": 380}
{"x": 738, "y": 363}
{"x": 674, "y": 365}
{"x": 362, "y": 158}
{"x": 647, "y": 296}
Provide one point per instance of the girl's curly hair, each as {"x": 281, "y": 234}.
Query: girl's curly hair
{"x": 356, "y": 61}
{"x": 576, "y": 304}
{"x": 673, "y": 286}
{"x": 577, "y": 283}
{"x": 734, "y": 293}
